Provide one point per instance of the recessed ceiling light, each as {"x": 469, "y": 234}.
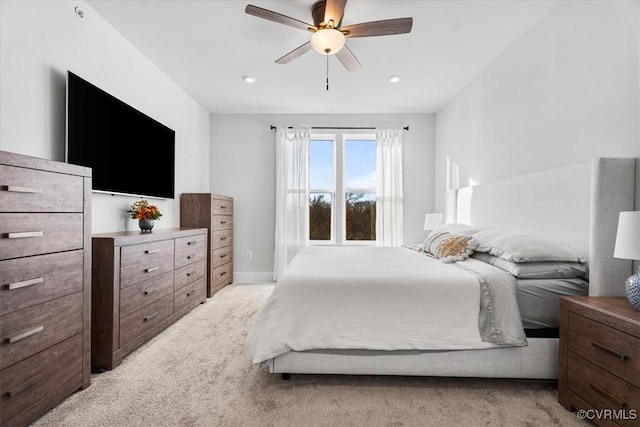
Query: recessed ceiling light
{"x": 394, "y": 79}
{"x": 249, "y": 79}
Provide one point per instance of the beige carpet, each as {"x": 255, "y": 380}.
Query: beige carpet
{"x": 197, "y": 373}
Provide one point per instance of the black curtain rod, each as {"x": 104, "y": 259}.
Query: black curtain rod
{"x": 339, "y": 128}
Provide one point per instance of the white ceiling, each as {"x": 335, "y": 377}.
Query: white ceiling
{"x": 206, "y": 46}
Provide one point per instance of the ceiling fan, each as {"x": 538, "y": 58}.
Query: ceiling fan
{"x": 329, "y": 34}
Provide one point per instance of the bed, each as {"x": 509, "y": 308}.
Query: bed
{"x": 332, "y": 311}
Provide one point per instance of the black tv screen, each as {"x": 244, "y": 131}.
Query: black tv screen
{"x": 128, "y": 151}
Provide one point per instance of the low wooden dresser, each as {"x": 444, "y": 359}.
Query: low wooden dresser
{"x": 215, "y": 212}
{"x": 600, "y": 359}
{"x": 142, "y": 283}
{"x": 45, "y": 284}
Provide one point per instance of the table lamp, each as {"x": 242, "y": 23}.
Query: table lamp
{"x": 433, "y": 220}
{"x": 628, "y": 247}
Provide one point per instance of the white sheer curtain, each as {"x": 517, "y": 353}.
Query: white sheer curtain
{"x": 389, "y": 198}
{"x": 292, "y": 159}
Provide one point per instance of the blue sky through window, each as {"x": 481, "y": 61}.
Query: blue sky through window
{"x": 359, "y": 164}
{"x": 321, "y": 164}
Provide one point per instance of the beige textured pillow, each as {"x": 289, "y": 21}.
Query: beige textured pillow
{"x": 432, "y": 243}
{"x": 456, "y": 248}
{"x": 448, "y": 247}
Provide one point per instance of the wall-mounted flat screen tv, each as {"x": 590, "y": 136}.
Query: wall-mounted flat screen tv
{"x": 128, "y": 151}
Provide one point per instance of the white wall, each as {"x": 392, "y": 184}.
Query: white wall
{"x": 39, "y": 42}
{"x": 567, "y": 91}
{"x": 243, "y": 167}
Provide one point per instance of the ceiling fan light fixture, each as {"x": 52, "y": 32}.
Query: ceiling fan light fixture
{"x": 327, "y": 41}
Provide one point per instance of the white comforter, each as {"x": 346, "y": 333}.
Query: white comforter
{"x": 384, "y": 299}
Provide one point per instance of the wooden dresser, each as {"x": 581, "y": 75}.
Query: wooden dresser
{"x": 600, "y": 359}
{"x": 215, "y": 213}
{"x": 142, "y": 283}
{"x": 45, "y": 284}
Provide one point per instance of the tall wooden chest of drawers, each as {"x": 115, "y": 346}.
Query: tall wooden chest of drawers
{"x": 142, "y": 283}
{"x": 600, "y": 359}
{"x": 45, "y": 284}
{"x": 215, "y": 213}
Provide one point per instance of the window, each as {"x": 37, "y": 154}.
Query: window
{"x": 342, "y": 188}
{"x": 321, "y": 189}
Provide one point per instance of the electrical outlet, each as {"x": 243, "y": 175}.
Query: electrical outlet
{"x": 249, "y": 254}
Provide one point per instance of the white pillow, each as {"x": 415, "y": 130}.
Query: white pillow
{"x": 536, "y": 270}
{"x": 456, "y": 228}
{"x": 523, "y": 248}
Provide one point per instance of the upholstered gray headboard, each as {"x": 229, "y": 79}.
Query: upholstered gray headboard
{"x": 576, "y": 205}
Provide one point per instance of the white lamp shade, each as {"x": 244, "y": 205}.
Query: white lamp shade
{"x": 328, "y": 38}
{"x": 628, "y": 236}
{"x": 433, "y": 220}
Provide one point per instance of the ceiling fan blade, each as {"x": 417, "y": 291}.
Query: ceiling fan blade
{"x": 334, "y": 9}
{"x": 386, "y": 27}
{"x": 295, "y": 53}
{"x": 276, "y": 17}
{"x": 348, "y": 59}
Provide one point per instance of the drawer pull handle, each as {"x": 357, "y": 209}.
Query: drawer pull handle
{"x": 223, "y": 273}
{"x": 25, "y": 234}
{"x": 16, "y": 391}
{"x": 24, "y": 386}
{"x": 623, "y": 405}
{"x": 17, "y": 189}
{"x": 153, "y": 251}
{"x": 193, "y": 242}
{"x": 24, "y": 335}
{"x": 151, "y": 317}
{"x": 149, "y": 291}
{"x": 223, "y": 238}
{"x": 190, "y": 256}
{"x": 223, "y": 222}
{"x": 190, "y": 292}
{"x": 190, "y": 274}
{"x": 25, "y": 283}
{"x": 621, "y": 356}
{"x": 149, "y": 270}
{"x": 223, "y": 207}
{"x": 223, "y": 255}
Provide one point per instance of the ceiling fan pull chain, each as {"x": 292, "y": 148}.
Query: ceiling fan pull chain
{"x": 327, "y": 50}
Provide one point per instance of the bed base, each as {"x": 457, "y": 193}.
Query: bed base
{"x": 538, "y": 360}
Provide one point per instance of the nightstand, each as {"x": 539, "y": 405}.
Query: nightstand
{"x": 600, "y": 359}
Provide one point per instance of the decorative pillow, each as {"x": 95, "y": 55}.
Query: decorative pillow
{"x": 523, "y": 248}
{"x": 456, "y": 228}
{"x": 536, "y": 270}
{"x": 448, "y": 247}
{"x": 456, "y": 248}
{"x": 432, "y": 242}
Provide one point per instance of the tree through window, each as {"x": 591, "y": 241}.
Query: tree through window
{"x": 342, "y": 182}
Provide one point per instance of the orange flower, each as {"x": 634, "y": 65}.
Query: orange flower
{"x": 141, "y": 209}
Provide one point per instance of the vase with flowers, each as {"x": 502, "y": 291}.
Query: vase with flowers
{"x": 145, "y": 213}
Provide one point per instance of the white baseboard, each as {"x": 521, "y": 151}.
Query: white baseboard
{"x": 252, "y": 277}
